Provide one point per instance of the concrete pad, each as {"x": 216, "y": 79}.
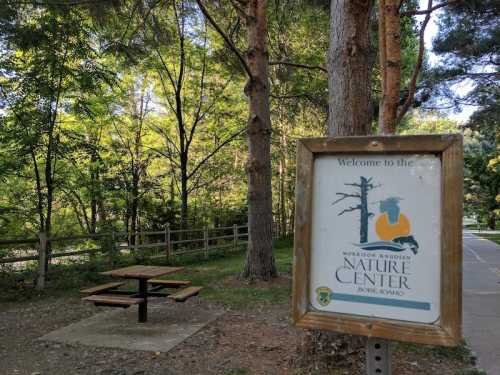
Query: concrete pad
{"x": 168, "y": 325}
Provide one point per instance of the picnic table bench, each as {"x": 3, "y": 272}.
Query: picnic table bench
{"x": 112, "y": 300}
{"x": 101, "y": 288}
{"x": 109, "y": 294}
{"x": 183, "y": 294}
{"x": 169, "y": 283}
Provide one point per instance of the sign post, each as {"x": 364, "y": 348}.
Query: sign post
{"x": 378, "y": 357}
{"x": 378, "y": 234}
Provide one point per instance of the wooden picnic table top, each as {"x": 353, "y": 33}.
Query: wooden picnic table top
{"x": 142, "y": 272}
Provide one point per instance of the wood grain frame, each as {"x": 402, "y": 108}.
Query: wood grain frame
{"x": 447, "y": 331}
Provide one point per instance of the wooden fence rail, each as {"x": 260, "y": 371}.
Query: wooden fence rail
{"x": 203, "y": 243}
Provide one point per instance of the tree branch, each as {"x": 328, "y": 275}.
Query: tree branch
{"x": 239, "y": 9}
{"x": 202, "y": 88}
{"x": 214, "y": 151}
{"x": 297, "y": 65}
{"x": 428, "y": 10}
{"x": 231, "y": 45}
{"x": 169, "y": 156}
{"x": 291, "y": 96}
{"x": 418, "y": 66}
{"x": 208, "y": 109}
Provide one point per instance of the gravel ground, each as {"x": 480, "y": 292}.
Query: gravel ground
{"x": 210, "y": 351}
{"x": 258, "y": 341}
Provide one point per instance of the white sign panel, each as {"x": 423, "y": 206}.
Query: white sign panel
{"x": 375, "y": 245}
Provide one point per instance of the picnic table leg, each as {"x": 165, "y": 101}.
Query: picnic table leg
{"x": 143, "y": 307}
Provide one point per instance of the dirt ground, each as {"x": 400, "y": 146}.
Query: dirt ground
{"x": 257, "y": 340}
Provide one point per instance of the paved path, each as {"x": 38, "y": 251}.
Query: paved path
{"x": 481, "y": 300}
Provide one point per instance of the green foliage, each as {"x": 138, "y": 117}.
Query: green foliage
{"x": 468, "y": 41}
{"x": 470, "y": 32}
{"x": 218, "y": 276}
{"x": 459, "y": 353}
{"x": 237, "y": 371}
{"x": 429, "y": 124}
{"x": 471, "y": 371}
{"x": 468, "y": 44}
{"x": 50, "y": 59}
{"x": 482, "y": 175}
{"x": 110, "y": 161}
{"x": 95, "y": 94}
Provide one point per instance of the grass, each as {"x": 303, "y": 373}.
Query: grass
{"x": 475, "y": 227}
{"x": 490, "y": 236}
{"x": 460, "y": 353}
{"x": 237, "y": 371}
{"x": 211, "y": 273}
{"x": 69, "y": 279}
{"x": 472, "y": 371}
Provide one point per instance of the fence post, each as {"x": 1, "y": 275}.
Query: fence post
{"x": 205, "y": 241}
{"x": 112, "y": 250}
{"x": 168, "y": 248}
{"x": 136, "y": 240}
{"x": 42, "y": 258}
{"x": 235, "y": 237}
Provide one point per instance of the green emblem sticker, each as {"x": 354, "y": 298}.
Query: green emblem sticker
{"x": 323, "y": 295}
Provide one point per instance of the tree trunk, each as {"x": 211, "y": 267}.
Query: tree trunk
{"x": 134, "y": 201}
{"x": 49, "y": 186}
{"x": 382, "y": 60}
{"x": 94, "y": 186}
{"x": 259, "y": 262}
{"x": 349, "y": 68}
{"x": 282, "y": 198}
{"x": 39, "y": 192}
{"x": 184, "y": 191}
{"x": 492, "y": 221}
{"x": 126, "y": 221}
{"x": 48, "y": 225}
{"x": 350, "y": 113}
{"x": 390, "y": 64}
{"x": 102, "y": 211}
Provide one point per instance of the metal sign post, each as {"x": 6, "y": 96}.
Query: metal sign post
{"x": 378, "y": 357}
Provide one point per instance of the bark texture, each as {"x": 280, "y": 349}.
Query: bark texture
{"x": 349, "y": 68}
{"x": 259, "y": 262}
{"x": 382, "y": 59}
{"x": 390, "y": 64}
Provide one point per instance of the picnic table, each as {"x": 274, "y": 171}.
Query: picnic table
{"x": 142, "y": 274}
{"x": 145, "y": 276}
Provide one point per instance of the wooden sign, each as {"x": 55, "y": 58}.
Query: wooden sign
{"x": 378, "y": 237}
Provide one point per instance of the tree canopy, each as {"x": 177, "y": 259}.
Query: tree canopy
{"x": 131, "y": 115}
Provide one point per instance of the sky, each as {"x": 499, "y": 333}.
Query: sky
{"x": 430, "y": 33}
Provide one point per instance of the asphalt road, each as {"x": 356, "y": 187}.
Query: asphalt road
{"x": 481, "y": 300}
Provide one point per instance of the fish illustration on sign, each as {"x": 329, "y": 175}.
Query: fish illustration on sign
{"x": 392, "y": 227}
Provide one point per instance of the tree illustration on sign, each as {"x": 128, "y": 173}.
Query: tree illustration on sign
{"x": 364, "y": 186}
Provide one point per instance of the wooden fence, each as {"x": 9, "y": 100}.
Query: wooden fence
{"x": 167, "y": 243}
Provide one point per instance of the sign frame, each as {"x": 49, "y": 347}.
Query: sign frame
{"x": 445, "y": 332}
